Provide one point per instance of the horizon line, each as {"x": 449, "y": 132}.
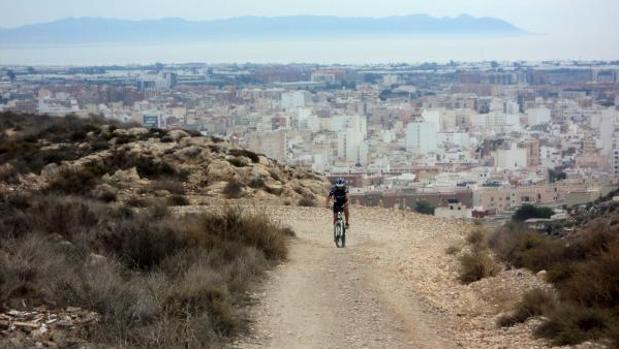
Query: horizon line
{"x": 248, "y": 16}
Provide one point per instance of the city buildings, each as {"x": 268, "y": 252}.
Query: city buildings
{"x": 487, "y": 136}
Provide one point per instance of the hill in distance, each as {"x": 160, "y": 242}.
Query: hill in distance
{"x": 106, "y": 30}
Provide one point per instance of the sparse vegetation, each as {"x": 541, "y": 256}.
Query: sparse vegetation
{"x": 178, "y": 200}
{"x": 572, "y": 324}
{"x": 477, "y": 265}
{"x": 453, "y": 250}
{"x": 533, "y": 303}
{"x": 158, "y": 277}
{"x": 583, "y": 269}
{"x": 233, "y": 189}
{"x": 477, "y": 239}
{"x": 168, "y": 184}
{"x": 307, "y": 201}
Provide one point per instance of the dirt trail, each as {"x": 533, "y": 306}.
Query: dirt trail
{"x": 355, "y": 297}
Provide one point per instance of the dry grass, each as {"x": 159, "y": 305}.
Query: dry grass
{"x": 584, "y": 271}
{"x": 453, "y": 250}
{"x": 173, "y": 186}
{"x": 571, "y": 324}
{"x": 478, "y": 240}
{"x": 533, "y": 303}
{"x": 307, "y": 201}
{"x": 477, "y": 265}
{"x": 233, "y": 189}
{"x": 163, "y": 281}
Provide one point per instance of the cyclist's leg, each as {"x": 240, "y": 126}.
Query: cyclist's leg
{"x": 336, "y": 209}
{"x": 346, "y": 214}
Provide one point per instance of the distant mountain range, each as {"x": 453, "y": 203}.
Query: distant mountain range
{"x": 104, "y": 30}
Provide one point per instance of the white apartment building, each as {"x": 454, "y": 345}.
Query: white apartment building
{"x": 295, "y": 99}
{"x": 421, "y": 137}
{"x": 538, "y": 116}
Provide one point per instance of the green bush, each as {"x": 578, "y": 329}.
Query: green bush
{"x": 424, "y": 207}
{"x": 528, "y": 211}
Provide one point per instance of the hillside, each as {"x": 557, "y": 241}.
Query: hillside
{"x": 131, "y": 164}
{"x": 96, "y": 251}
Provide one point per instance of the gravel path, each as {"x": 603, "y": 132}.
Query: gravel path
{"x": 325, "y": 297}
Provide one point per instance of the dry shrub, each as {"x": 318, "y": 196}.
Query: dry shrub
{"x": 526, "y": 249}
{"x": 73, "y": 181}
{"x": 307, "y": 201}
{"x": 104, "y": 193}
{"x": 135, "y": 201}
{"x": 595, "y": 282}
{"x": 256, "y": 182}
{"x": 453, "y": 250}
{"x": 162, "y": 281}
{"x": 178, "y": 200}
{"x": 246, "y": 153}
{"x": 571, "y": 324}
{"x": 8, "y": 174}
{"x": 533, "y": 303}
{"x": 170, "y": 185}
{"x": 233, "y": 189}
{"x": 477, "y": 239}
{"x": 477, "y": 265}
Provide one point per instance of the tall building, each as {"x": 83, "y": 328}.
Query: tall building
{"x": 352, "y": 144}
{"x": 295, "y": 99}
{"x": 421, "y": 137}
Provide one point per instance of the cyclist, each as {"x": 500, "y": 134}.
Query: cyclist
{"x": 339, "y": 193}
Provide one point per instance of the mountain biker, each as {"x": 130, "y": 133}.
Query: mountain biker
{"x": 339, "y": 193}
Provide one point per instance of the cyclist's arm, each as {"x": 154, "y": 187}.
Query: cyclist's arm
{"x": 328, "y": 201}
{"x": 347, "y": 200}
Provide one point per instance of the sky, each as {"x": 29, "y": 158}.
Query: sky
{"x": 587, "y": 17}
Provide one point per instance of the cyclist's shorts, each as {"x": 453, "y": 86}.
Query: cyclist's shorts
{"x": 338, "y": 207}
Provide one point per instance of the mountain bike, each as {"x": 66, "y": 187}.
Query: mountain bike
{"x": 339, "y": 231}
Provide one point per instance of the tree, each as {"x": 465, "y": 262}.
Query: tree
{"x": 528, "y": 211}
{"x": 424, "y": 207}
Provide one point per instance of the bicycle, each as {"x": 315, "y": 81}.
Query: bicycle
{"x": 339, "y": 231}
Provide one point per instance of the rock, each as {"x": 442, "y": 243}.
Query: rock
{"x": 50, "y": 170}
{"x": 136, "y": 131}
{"x": 274, "y": 188}
{"x": 176, "y": 135}
{"x": 96, "y": 259}
{"x": 105, "y": 192}
{"x": 541, "y": 275}
{"x": 123, "y": 176}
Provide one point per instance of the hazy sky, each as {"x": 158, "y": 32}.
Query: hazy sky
{"x": 542, "y": 16}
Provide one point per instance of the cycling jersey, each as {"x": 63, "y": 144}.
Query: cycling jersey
{"x": 339, "y": 197}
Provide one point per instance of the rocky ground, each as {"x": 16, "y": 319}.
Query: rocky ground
{"x": 394, "y": 286}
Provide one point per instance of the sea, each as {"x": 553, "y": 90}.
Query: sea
{"x": 359, "y": 50}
